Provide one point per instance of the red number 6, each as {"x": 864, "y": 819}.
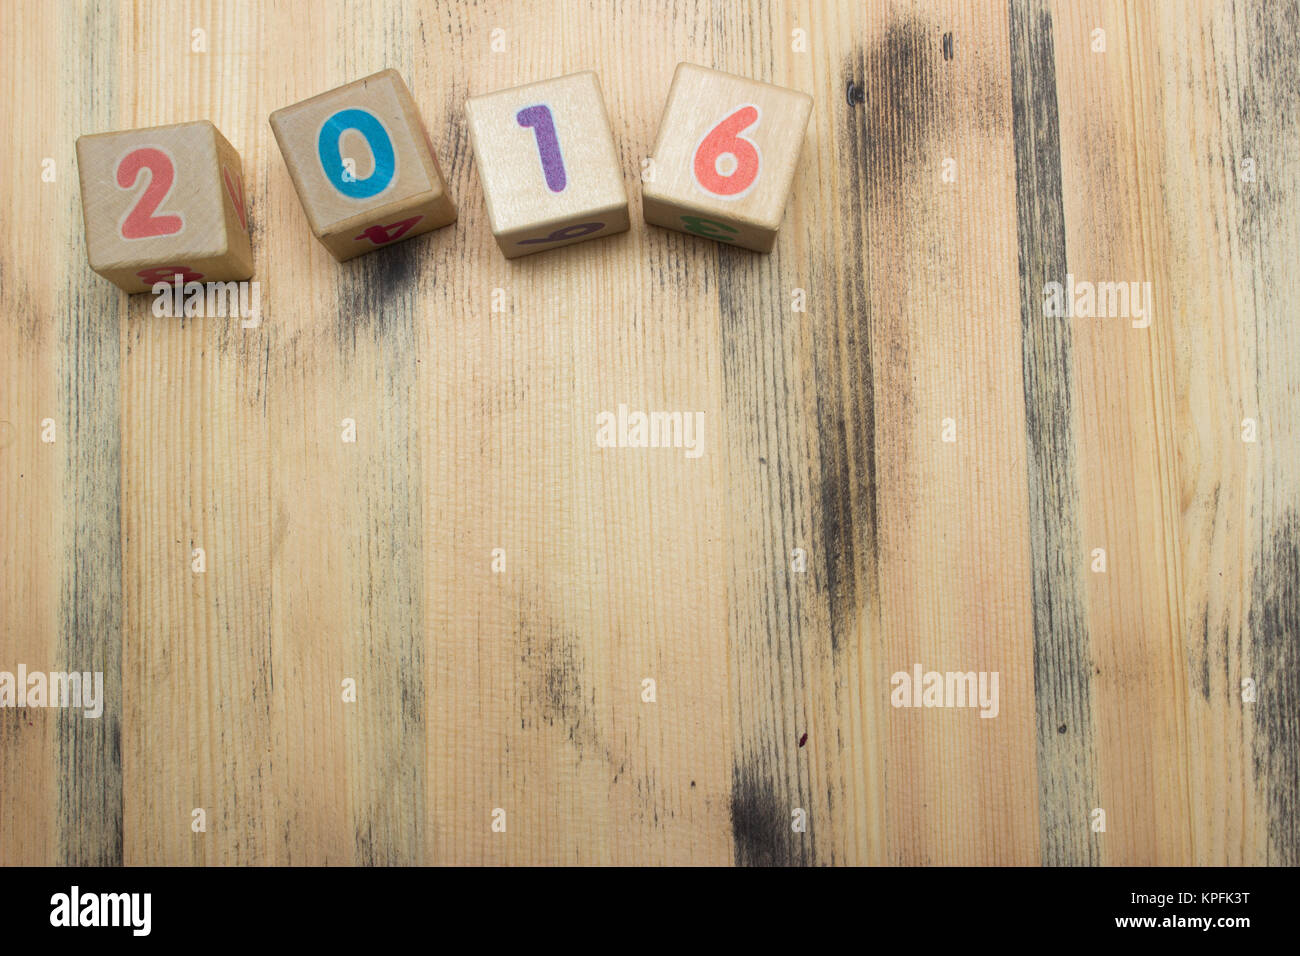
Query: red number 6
{"x": 725, "y": 140}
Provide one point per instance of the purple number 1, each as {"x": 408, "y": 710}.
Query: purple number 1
{"x": 548, "y": 144}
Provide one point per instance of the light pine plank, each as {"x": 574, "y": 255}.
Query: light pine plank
{"x": 195, "y": 475}
{"x": 1210, "y": 310}
{"x": 1122, "y": 400}
{"x": 61, "y": 786}
{"x": 1232, "y": 290}
{"x": 33, "y": 522}
{"x": 951, "y": 516}
{"x": 347, "y": 588}
{"x": 1264, "y": 44}
{"x": 612, "y": 572}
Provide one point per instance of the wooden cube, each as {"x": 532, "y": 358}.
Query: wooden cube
{"x": 363, "y": 165}
{"x": 547, "y": 161}
{"x": 161, "y": 202}
{"x": 725, "y": 157}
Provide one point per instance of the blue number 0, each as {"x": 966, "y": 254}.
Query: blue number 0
{"x": 381, "y": 147}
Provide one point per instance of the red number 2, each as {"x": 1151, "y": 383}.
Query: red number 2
{"x": 724, "y": 140}
{"x": 140, "y": 222}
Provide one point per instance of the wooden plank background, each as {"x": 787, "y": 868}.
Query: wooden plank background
{"x": 823, "y": 432}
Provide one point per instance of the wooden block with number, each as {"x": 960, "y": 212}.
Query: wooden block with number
{"x": 363, "y": 165}
{"x": 725, "y": 157}
{"x": 162, "y": 202}
{"x": 547, "y": 161}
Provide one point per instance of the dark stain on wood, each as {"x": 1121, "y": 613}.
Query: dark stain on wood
{"x": 761, "y": 822}
{"x": 390, "y": 817}
{"x": 561, "y": 693}
{"x": 90, "y": 603}
{"x": 1268, "y": 87}
{"x": 843, "y": 361}
{"x": 376, "y": 297}
{"x": 1274, "y": 625}
{"x": 1067, "y": 777}
{"x": 1267, "y": 47}
{"x": 555, "y": 692}
{"x": 770, "y": 651}
{"x": 843, "y": 356}
{"x": 90, "y": 793}
{"x": 1205, "y": 653}
{"x": 904, "y": 107}
{"x": 900, "y": 78}
{"x": 378, "y": 288}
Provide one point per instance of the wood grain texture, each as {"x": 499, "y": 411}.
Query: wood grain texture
{"x": 919, "y": 468}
